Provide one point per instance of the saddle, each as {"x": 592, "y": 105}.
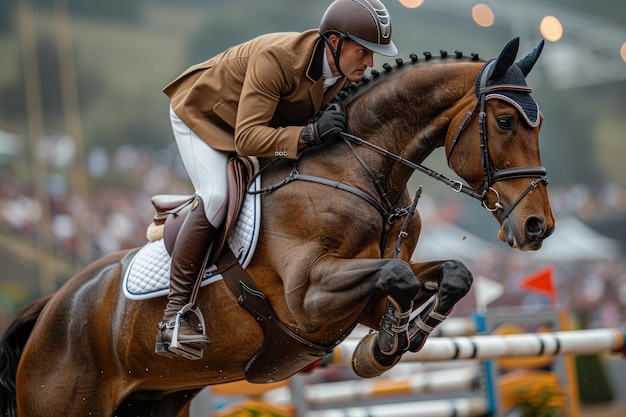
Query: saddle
{"x": 171, "y": 210}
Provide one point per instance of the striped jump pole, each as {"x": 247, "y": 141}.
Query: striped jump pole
{"x": 574, "y": 342}
{"x": 353, "y": 391}
{"x": 439, "y": 382}
{"x": 461, "y": 407}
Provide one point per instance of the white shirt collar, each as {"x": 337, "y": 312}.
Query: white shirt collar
{"x": 329, "y": 79}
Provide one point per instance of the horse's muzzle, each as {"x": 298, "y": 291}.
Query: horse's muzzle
{"x": 530, "y": 237}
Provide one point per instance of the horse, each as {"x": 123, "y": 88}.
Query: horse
{"x": 334, "y": 250}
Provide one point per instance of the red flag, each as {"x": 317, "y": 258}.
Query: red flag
{"x": 541, "y": 282}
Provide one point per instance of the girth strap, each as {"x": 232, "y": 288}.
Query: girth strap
{"x": 388, "y": 216}
{"x": 345, "y": 187}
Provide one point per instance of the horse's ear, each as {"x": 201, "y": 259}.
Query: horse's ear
{"x": 528, "y": 62}
{"x": 505, "y": 60}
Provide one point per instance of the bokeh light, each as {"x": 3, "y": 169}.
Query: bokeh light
{"x": 411, "y": 4}
{"x": 622, "y": 52}
{"x": 483, "y": 15}
{"x": 551, "y": 28}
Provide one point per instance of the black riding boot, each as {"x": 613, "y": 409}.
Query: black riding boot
{"x": 194, "y": 238}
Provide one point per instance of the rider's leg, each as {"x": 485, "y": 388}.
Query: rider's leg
{"x": 207, "y": 170}
{"x": 194, "y": 238}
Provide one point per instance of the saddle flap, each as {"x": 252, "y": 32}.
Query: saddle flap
{"x": 238, "y": 172}
{"x": 283, "y": 352}
{"x": 171, "y": 210}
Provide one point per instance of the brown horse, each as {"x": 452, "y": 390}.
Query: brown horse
{"x": 328, "y": 255}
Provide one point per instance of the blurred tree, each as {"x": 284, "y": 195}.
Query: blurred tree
{"x": 224, "y": 27}
{"x": 121, "y": 10}
{"x": 124, "y": 10}
{"x": 12, "y": 95}
{"x": 7, "y": 14}
{"x": 139, "y": 117}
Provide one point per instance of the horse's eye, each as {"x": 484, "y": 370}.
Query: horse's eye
{"x": 506, "y": 123}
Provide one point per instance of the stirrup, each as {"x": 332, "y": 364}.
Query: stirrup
{"x": 179, "y": 348}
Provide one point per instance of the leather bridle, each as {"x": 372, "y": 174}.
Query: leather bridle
{"x": 491, "y": 175}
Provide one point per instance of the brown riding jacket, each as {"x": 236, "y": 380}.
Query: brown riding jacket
{"x": 255, "y": 97}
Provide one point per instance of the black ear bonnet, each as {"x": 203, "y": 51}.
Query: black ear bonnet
{"x": 505, "y": 72}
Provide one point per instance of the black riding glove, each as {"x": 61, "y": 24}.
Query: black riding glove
{"x": 331, "y": 123}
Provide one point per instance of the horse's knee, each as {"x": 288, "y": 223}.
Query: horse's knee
{"x": 398, "y": 281}
{"x": 456, "y": 281}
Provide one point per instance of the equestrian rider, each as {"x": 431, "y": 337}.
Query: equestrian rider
{"x": 255, "y": 99}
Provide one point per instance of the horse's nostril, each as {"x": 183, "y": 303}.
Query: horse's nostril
{"x": 535, "y": 227}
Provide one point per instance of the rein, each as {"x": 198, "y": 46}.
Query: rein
{"x": 457, "y": 186}
{"x": 491, "y": 175}
{"x": 392, "y": 215}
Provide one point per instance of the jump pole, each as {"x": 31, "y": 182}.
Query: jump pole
{"x": 461, "y": 407}
{"x": 358, "y": 390}
{"x": 574, "y": 342}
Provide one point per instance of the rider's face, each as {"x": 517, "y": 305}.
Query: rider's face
{"x": 353, "y": 59}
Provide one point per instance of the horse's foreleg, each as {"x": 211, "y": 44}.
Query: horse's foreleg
{"x": 384, "y": 349}
{"x": 449, "y": 281}
{"x": 338, "y": 286}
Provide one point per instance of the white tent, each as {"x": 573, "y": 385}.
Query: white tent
{"x": 445, "y": 241}
{"x": 573, "y": 240}
{"x": 9, "y": 144}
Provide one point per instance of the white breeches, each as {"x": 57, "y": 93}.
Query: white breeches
{"x": 206, "y": 168}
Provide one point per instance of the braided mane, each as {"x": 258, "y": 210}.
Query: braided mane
{"x": 355, "y": 89}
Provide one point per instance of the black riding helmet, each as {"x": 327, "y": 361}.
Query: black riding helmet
{"x": 366, "y": 22}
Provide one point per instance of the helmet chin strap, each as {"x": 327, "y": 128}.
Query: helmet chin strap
{"x": 336, "y": 51}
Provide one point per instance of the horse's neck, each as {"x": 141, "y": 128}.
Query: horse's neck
{"x": 410, "y": 114}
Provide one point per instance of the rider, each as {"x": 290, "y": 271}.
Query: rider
{"x": 255, "y": 99}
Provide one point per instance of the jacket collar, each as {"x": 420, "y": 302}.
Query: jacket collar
{"x": 314, "y": 70}
{"x": 314, "y": 73}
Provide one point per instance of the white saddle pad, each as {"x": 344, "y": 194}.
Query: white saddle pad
{"x": 148, "y": 274}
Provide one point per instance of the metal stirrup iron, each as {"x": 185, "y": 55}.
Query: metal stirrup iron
{"x": 182, "y": 349}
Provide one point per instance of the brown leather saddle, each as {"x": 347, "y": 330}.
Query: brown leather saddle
{"x": 171, "y": 210}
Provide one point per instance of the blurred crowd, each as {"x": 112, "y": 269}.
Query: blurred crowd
{"x": 114, "y": 210}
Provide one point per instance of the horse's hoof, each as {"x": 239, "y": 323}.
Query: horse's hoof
{"x": 364, "y": 361}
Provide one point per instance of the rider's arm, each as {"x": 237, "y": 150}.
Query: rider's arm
{"x": 269, "y": 76}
